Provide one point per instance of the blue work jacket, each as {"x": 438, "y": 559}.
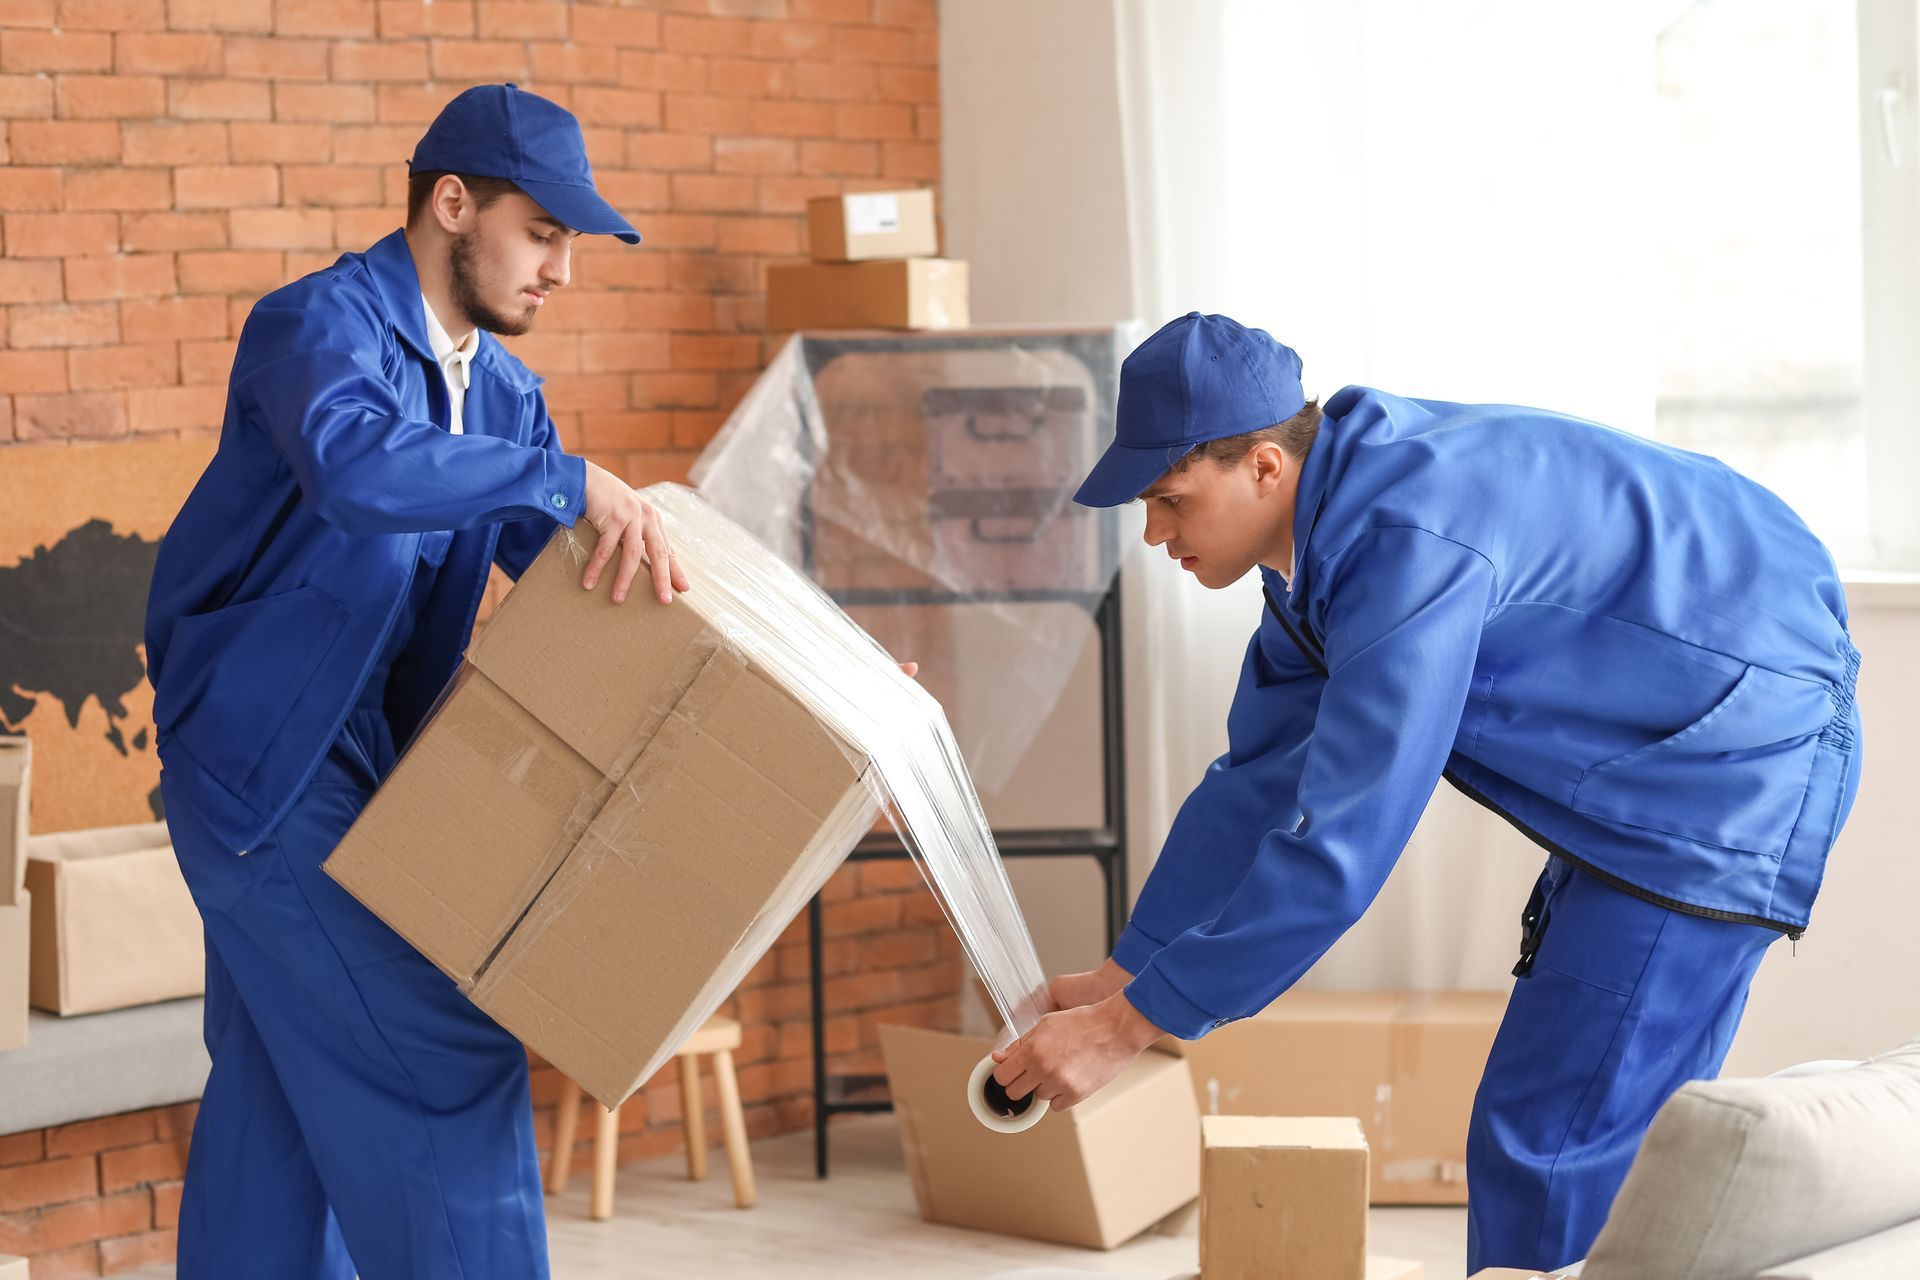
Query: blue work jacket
{"x": 278, "y": 583}
{"x": 1629, "y": 651}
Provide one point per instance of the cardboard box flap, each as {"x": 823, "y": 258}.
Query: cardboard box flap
{"x": 100, "y": 842}
{"x": 1318, "y": 1133}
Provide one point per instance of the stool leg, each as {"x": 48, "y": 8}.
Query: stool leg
{"x": 606, "y": 1149}
{"x": 566, "y": 1120}
{"x": 734, "y": 1121}
{"x": 693, "y": 1116}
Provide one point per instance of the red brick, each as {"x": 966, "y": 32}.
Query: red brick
{"x": 910, "y": 84}
{"x": 696, "y": 351}
{"x": 22, "y": 51}
{"x": 522, "y": 19}
{"x": 205, "y": 360}
{"x": 162, "y": 232}
{"x": 226, "y": 186}
{"x": 672, "y": 391}
{"x": 166, "y": 1204}
{"x": 252, "y": 272}
{"x": 796, "y": 119}
{"x": 478, "y": 60}
{"x": 620, "y": 27}
{"x": 915, "y": 161}
{"x": 28, "y": 13}
{"x": 628, "y": 108}
{"x": 120, "y": 189}
{"x": 72, "y": 415}
{"x": 27, "y": 189}
{"x": 713, "y": 272}
{"x": 621, "y": 430}
{"x": 926, "y": 124}
{"x": 926, "y": 47}
{"x": 776, "y": 237}
{"x": 151, "y": 409}
{"x": 624, "y": 352}
{"x": 171, "y": 142}
{"x": 835, "y": 82}
{"x": 180, "y": 317}
{"x": 653, "y": 310}
{"x": 175, "y": 53}
{"x": 669, "y": 72}
{"x": 52, "y": 235}
{"x": 383, "y": 144}
{"x": 740, "y": 313}
{"x": 872, "y": 44}
{"x": 175, "y": 1121}
{"x": 355, "y": 229}
{"x": 282, "y": 228}
{"x": 739, "y": 8}
{"x": 62, "y": 1226}
{"x": 792, "y": 40}
{"x": 630, "y": 270}
{"x": 692, "y": 430}
{"x": 680, "y": 230}
{"x": 923, "y": 15}
{"x": 330, "y": 185}
{"x": 64, "y": 141}
{"x": 882, "y": 121}
{"x": 862, "y": 915}
{"x": 26, "y": 97}
{"x": 325, "y": 18}
{"x": 643, "y": 469}
{"x": 649, "y": 150}
{"x": 750, "y": 78}
{"x": 219, "y": 100}
{"x": 576, "y": 64}
{"x": 220, "y": 15}
{"x": 281, "y": 143}
{"x": 860, "y": 11}
{"x": 133, "y": 364}
{"x": 31, "y": 1146}
{"x": 401, "y": 18}
{"x": 380, "y": 60}
{"x": 692, "y": 113}
{"x": 31, "y": 373}
{"x": 113, "y": 15}
{"x": 851, "y": 159}
{"x": 682, "y": 33}
{"x": 80, "y": 324}
{"x": 790, "y": 195}
{"x": 633, "y": 192}
{"x": 331, "y": 103}
{"x": 754, "y": 155}
{"x": 727, "y": 193}
{"x": 128, "y": 1252}
{"x": 139, "y": 275}
{"x": 276, "y": 58}
{"x": 415, "y": 104}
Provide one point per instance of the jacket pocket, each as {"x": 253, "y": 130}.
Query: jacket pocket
{"x": 1735, "y": 778}
{"x": 233, "y": 676}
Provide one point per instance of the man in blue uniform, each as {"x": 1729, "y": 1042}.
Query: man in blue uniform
{"x": 381, "y": 451}
{"x": 1634, "y": 655}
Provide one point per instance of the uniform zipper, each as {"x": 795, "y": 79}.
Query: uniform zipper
{"x": 1312, "y": 652}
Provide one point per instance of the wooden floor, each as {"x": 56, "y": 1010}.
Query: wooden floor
{"x": 861, "y": 1223}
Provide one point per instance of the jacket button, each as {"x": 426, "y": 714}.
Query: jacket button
{"x": 559, "y": 502}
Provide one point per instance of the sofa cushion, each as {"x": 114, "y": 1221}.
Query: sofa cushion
{"x": 1739, "y": 1175}
{"x": 1893, "y": 1254}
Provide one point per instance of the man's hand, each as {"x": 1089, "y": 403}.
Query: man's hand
{"x": 630, "y": 526}
{"x": 1072, "y": 990}
{"x": 1071, "y": 1054}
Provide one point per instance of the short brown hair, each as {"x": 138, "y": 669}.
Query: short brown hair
{"x": 1295, "y": 436}
{"x": 483, "y": 190}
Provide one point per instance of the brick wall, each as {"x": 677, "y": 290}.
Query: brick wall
{"x": 165, "y": 162}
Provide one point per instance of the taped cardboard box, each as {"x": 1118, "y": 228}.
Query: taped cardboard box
{"x": 871, "y": 224}
{"x": 113, "y": 923}
{"x": 1283, "y": 1196}
{"x": 16, "y": 791}
{"x": 611, "y": 814}
{"x": 908, "y": 293}
{"x": 15, "y": 936}
{"x": 1406, "y": 1065}
{"x": 1095, "y": 1176}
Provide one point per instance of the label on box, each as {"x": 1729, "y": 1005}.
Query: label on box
{"x": 873, "y": 215}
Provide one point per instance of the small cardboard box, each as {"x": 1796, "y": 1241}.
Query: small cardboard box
{"x": 611, "y": 814}
{"x": 113, "y": 923}
{"x": 871, "y": 224}
{"x": 1283, "y": 1196}
{"x": 1517, "y": 1273}
{"x": 15, "y": 934}
{"x": 1406, "y": 1065}
{"x": 908, "y": 293}
{"x": 1095, "y": 1176}
{"x": 16, "y": 790}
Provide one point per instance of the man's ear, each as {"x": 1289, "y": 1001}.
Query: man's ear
{"x": 450, "y": 203}
{"x": 1270, "y": 465}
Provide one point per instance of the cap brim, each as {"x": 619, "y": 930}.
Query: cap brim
{"x": 581, "y": 208}
{"x": 1124, "y": 471}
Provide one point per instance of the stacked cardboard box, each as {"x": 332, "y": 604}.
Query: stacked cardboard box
{"x": 873, "y": 267}
{"x": 16, "y": 785}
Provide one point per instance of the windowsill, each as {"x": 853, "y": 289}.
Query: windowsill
{"x": 1881, "y": 589}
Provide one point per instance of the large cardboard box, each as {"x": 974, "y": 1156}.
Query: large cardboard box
{"x": 908, "y": 293}
{"x": 611, "y": 814}
{"x": 1406, "y": 1065}
{"x": 113, "y": 923}
{"x": 871, "y": 224}
{"x": 1283, "y": 1196}
{"x": 1096, "y": 1175}
{"x": 16, "y": 789}
{"x": 15, "y": 935}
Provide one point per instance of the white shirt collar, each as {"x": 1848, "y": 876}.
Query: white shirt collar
{"x": 453, "y": 357}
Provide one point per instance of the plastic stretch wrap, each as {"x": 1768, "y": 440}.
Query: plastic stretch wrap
{"x": 933, "y": 470}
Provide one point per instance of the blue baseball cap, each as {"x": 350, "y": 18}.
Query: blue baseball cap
{"x": 502, "y": 131}
{"x": 1199, "y": 378}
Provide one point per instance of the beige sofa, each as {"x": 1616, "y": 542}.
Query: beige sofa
{"x": 1813, "y": 1174}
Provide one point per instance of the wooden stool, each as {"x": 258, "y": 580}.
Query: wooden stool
{"x": 717, "y": 1037}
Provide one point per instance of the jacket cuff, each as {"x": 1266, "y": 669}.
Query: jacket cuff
{"x": 1167, "y": 1009}
{"x": 1135, "y": 950}
{"x": 565, "y": 488}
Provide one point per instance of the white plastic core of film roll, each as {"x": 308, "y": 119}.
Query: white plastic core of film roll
{"x": 999, "y": 1119}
